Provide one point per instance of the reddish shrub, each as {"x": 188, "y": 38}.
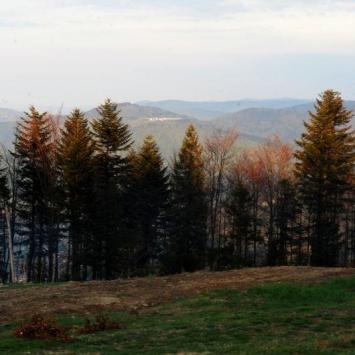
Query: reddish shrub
{"x": 100, "y": 323}
{"x": 40, "y": 328}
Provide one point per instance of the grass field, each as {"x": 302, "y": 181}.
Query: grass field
{"x": 275, "y": 318}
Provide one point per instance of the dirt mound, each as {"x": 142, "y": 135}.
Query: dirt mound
{"x": 139, "y": 293}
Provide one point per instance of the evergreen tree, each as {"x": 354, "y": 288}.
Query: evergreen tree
{"x": 149, "y": 188}
{"x": 76, "y": 151}
{"x": 4, "y": 188}
{"x": 112, "y": 140}
{"x": 287, "y": 209}
{"x": 4, "y": 196}
{"x": 239, "y": 211}
{"x": 33, "y": 149}
{"x": 187, "y": 239}
{"x": 325, "y": 163}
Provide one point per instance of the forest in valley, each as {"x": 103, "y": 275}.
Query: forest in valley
{"x": 78, "y": 202}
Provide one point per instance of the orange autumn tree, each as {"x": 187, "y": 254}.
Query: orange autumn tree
{"x": 275, "y": 162}
{"x": 219, "y": 153}
{"x": 324, "y": 171}
{"x": 35, "y": 150}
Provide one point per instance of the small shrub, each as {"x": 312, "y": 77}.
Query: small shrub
{"x": 100, "y": 323}
{"x": 40, "y": 328}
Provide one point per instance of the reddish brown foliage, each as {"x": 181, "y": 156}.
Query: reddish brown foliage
{"x": 100, "y": 323}
{"x": 40, "y": 328}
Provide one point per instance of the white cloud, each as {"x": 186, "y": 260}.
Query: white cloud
{"x": 143, "y": 41}
{"x": 266, "y": 26}
{"x": 281, "y": 5}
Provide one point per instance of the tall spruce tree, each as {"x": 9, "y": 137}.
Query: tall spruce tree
{"x": 4, "y": 188}
{"x": 4, "y": 237}
{"x": 149, "y": 186}
{"x": 34, "y": 151}
{"x": 286, "y": 209}
{"x": 76, "y": 152}
{"x": 187, "y": 239}
{"x": 112, "y": 140}
{"x": 239, "y": 210}
{"x": 325, "y": 164}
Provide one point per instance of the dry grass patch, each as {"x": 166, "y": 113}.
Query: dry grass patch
{"x": 138, "y": 294}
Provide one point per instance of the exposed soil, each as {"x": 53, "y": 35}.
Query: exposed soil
{"x": 139, "y": 293}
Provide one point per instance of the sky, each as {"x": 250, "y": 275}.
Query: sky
{"x": 78, "y": 52}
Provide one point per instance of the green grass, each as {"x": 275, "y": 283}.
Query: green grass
{"x": 279, "y": 318}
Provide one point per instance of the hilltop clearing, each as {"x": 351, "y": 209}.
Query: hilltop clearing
{"x": 20, "y": 301}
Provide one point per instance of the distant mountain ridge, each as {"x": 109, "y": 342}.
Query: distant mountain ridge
{"x": 131, "y": 111}
{"x": 168, "y": 128}
{"x": 208, "y": 110}
{"x": 8, "y": 115}
{"x": 253, "y": 124}
{"x": 170, "y": 133}
{"x": 264, "y": 122}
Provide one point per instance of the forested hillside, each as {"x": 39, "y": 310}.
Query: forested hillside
{"x": 81, "y": 200}
{"x": 255, "y": 121}
{"x": 167, "y": 127}
{"x": 263, "y": 121}
{"x": 209, "y": 110}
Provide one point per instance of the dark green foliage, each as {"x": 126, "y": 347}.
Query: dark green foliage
{"x": 112, "y": 140}
{"x": 148, "y": 198}
{"x": 239, "y": 211}
{"x": 4, "y": 186}
{"x": 76, "y": 151}
{"x": 287, "y": 229}
{"x": 188, "y": 213}
{"x": 4, "y": 197}
{"x": 83, "y": 205}
{"x": 324, "y": 168}
{"x": 35, "y": 150}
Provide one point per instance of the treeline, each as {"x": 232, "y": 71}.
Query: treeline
{"x": 78, "y": 202}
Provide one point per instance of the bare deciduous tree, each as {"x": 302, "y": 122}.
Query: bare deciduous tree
{"x": 218, "y": 154}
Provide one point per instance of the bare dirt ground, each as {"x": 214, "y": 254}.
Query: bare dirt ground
{"x": 139, "y": 293}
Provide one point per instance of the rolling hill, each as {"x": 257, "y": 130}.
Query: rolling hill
{"x": 169, "y": 134}
{"x": 253, "y": 124}
{"x": 131, "y": 112}
{"x": 208, "y": 110}
{"x": 8, "y": 115}
{"x": 264, "y": 122}
{"x": 167, "y": 127}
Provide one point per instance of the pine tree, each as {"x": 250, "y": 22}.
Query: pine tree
{"x": 239, "y": 211}
{"x": 4, "y": 188}
{"x": 286, "y": 209}
{"x": 325, "y": 163}
{"x": 112, "y": 140}
{"x": 4, "y": 196}
{"x": 76, "y": 151}
{"x": 34, "y": 151}
{"x": 189, "y": 208}
{"x": 149, "y": 187}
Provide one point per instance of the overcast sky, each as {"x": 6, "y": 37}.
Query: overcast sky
{"x": 77, "y": 52}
